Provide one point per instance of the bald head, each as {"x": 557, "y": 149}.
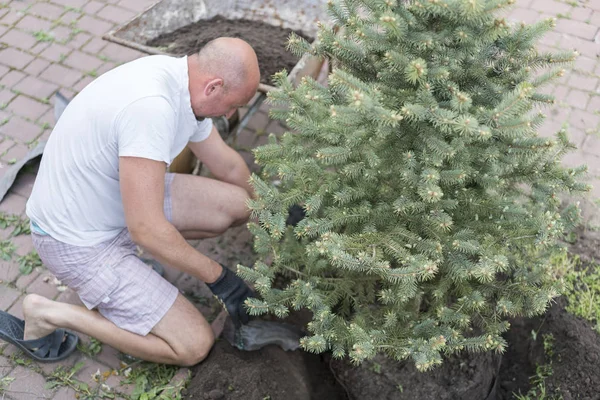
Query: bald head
{"x": 232, "y": 59}
{"x": 223, "y": 75}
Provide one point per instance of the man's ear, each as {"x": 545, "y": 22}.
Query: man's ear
{"x": 213, "y": 86}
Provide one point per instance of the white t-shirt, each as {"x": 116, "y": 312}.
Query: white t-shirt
{"x": 142, "y": 109}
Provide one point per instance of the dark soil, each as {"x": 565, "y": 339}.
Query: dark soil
{"x": 268, "y": 373}
{"x": 269, "y": 42}
{"x": 576, "y": 361}
{"x": 465, "y": 378}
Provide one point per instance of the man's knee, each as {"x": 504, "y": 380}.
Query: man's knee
{"x": 241, "y": 213}
{"x": 197, "y": 352}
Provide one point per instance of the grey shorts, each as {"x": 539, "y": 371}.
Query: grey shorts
{"x": 111, "y": 278}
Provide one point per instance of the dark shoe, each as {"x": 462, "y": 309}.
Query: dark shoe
{"x": 56, "y": 346}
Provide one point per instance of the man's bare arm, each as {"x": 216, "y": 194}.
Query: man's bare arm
{"x": 142, "y": 191}
{"x": 225, "y": 163}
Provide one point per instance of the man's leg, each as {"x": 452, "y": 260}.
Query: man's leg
{"x": 204, "y": 207}
{"x": 181, "y": 337}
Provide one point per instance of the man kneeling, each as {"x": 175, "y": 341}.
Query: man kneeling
{"x": 102, "y": 188}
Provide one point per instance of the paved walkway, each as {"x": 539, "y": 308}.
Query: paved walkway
{"x": 51, "y": 45}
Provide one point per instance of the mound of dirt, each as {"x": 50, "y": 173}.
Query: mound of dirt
{"x": 576, "y": 361}
{"x": 269, "y": 42}
{"x": 462, "y": 377}
{"x": 268, "y": 373}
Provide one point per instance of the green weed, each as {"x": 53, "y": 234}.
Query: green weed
{"x": 29, "y": 262}
{"x": 538, "y": 389}
{"x": 92, "y": 349}
{"x": 43, "y": 36}
{"x": 5, "y": 383}
{"x": 153, "y": 381}
{"x": 583, "y": 293}
{"x": 7, "y": 249}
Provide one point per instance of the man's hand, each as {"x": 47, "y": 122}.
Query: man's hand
{"x": 232, "y": 291}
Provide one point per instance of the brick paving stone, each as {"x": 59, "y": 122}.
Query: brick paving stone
{"x": 70, "y": 3}
{"x": 21, "y": 130}
{"x": 70, "y": 297}
{"x": 25, "y": 280}
{"x": 107, "y": 66}
{"x": 16, "y": 152}
{"x": 553, "y": 6}
{"x": 585, "y": 64}
{"x": 70, "y": 17}
{"x": 551, "y": 39}
{"x": 16, "y": 38}
{"x": 524, "y": 15}
{"x": 3, "y": 70}
{"x": 46, "y": 10}
{"x": 13, "y": 204}
{"x": 47, "y": 118}
{"x": 581, "y": 13}
{"x": 66, "y": 364}
{"x": 61, "y": 75}
{"x": 584, "y": 120}
{"x": 8, "y": 295}
{"x": 17, "y": 308}
{"x": 24, "y": 244}
{"x": 34, "y": 24}
{"x": 56, "y": 52}
{"x": 115, "y": 14}
{"x": 583, "y": 82}
{"x": 61, "y": 34}
{"x": 15, "y": 58}
{"x": 135, "y": 5}
{"x": 591, "y": 145}
{"x": 259, "y": 121}
{"x": 65, "y": 393}
{"x": 586, "y": 47}
{"x": 9, "y": 271}
{"x": 594, "y": 5}
{"x": 94, "y": 25}
{"x": 595, "y": 18}
{"x": 276, "y": 128}
{"x": 39, "y": 47}
{"x": 92, "y": 7}
{"x": 245, "y": 139}
{"x": 94, "y": 46}
{"x": 28, "y": 385}
{"x": 36, "y": 66}
{"x": 109, "y": 356}
{"x": 82, "y": 61}
{"x": 6, "y": 96}
{"x": 79, "y": 40}
{"x": 44, "y": 286}
{"x": 5, "y": 366}
{"x": 116, "y": 385}
{"x": 12, "y": 78}
{"x": 36, "y": 87}
{"x": 11, "y": 17}
{"x": 90, "y": 368}
{"x": 594, "y": 104}
{"x": 561, "y": 92}
{"x": 26, "y": 107}
{"x": 5, "y": 145}
{"x": 116, "y": 52}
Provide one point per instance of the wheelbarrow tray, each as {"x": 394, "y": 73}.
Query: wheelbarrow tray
{"x": 166, "y": 16}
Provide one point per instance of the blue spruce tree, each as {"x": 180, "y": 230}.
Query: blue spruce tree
{"x": 432, "y": 205}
